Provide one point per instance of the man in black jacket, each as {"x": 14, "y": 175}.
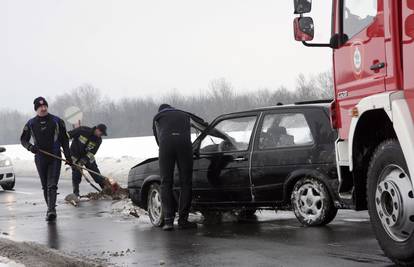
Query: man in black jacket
{"x": 49, "y": 134}
{"x": 172, "y": 131}
{"x": 85, "y": 144}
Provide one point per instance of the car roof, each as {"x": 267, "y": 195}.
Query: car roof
{"x": 324, "y": 104}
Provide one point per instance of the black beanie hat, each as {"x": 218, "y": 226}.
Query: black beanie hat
{"x": 163, "y": 106}
{"x": 40, "y": 101}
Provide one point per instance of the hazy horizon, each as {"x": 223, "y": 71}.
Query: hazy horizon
{"x": 140, "y": 48}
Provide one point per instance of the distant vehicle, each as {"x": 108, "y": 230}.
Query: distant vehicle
{"x": 7, "y": 176}
{"x": 269, "y": 158}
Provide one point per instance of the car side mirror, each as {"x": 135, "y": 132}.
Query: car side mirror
{"x": 302, "y": 6}
{"x": 303, "y": 29}
{"x": 2, "y": 149}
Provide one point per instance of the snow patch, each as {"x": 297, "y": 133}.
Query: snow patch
{"x": 115, "y": 157}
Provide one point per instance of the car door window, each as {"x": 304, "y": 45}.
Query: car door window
{"x": 358, "y": 15}
{"x": 229, "y": 135}
{"x": 285, "y": 130}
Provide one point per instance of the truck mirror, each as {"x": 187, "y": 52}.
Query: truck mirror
{"x": 302, "y": 6}
{"x": 304, "y": 29}
{"x": 2, "y": 149}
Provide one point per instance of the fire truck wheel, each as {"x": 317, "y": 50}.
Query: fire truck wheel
{"x": 391, "y": 202}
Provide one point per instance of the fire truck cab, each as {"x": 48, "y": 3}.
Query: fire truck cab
{"x": 373, "y": 65}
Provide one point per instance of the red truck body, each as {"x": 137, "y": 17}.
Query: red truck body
{"x": 373, "y": 66}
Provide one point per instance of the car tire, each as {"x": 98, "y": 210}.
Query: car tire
{"x": 154, "y": 205}
{"x": 391, "y": 202}
{"x": 312, "y": 202}
{"x": 9, "y": 186}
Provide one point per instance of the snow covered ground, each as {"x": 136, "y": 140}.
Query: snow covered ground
{"x": 115, "y": 157}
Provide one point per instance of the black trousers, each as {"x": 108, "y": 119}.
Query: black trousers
{"x": 49, "y": 173}
{"x": 176, "y": 150}
{"x": 77, "y": 177}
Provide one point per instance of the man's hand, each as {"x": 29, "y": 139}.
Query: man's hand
{"x": 82, "y": 161}
{"x": 69, "y": 162}
{"x": 34, "y": 149}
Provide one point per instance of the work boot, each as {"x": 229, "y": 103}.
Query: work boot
{"x": 51, "y": 215}
{"x": 169, "y": 225}
{"x": 183, "y": 225}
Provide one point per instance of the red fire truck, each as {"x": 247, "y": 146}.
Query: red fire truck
{"x": 373, "y": 59}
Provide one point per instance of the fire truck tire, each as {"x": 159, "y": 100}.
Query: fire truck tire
{"x": 391, "y": 202}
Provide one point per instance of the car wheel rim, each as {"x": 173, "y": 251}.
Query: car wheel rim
{"x": 155, "y": 205}
{"x": 309, "y": 201}
{"x": 394, "y": 202}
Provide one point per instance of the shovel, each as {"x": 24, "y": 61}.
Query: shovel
{"x": 111, "y": 182}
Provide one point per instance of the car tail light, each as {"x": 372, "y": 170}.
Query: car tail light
{"x": 334, "y": 115}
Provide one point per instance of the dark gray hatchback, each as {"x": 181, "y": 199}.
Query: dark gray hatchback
{"x": 268, "y": 158}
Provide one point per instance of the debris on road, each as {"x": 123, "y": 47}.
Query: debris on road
{"x": 32, "y": 254}
{"x": 127, "y": 208}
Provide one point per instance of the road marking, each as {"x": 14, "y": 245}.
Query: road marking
{"x": 19, "y": 192}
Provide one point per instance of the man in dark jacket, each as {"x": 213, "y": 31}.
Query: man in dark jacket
{"x": 172, "y": 131}
{"x": 85, "y": 144}
{"x": 48, "y": 133}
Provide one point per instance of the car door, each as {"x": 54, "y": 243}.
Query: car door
{"x": 360, "y": 64}
{"x": 222, "y": 164}
{"x": 284, "y": 142}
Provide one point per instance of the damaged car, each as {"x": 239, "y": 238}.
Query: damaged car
{"x": 269, "y": 158}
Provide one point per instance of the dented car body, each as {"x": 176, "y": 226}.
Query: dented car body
{"x": 253, "y": 160}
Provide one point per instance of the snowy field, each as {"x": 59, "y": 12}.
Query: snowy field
{"x": 115, "y": 157}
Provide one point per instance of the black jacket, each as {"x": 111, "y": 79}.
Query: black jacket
{"x": 48, "y": 133}
{"x": 173, "y": 121}
{"x": 85, "y": 144}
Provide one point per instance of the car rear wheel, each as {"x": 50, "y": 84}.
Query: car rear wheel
{"x": 8, "y": 186}
{"x": 312, "y": 202}
{"x": 154, "y": 205}
{"x": 391, "y": 202}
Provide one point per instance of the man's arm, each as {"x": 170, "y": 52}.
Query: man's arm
{"x": 90, "y": 153}
{"x": 25, "y": 140}
{"x": 154, "y": 130}
{"x": 64, "y": 140}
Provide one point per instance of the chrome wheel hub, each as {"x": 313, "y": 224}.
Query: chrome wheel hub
{"x": 394, "y": 203}
{"x": 155, "y": 205}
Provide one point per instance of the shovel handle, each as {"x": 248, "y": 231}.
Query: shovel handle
{"x": 73, "y": 164}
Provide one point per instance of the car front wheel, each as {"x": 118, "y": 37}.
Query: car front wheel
{"x": 154, "y": 205}
{"x": 312, "y": 203}
{"x": 391, "y": 202}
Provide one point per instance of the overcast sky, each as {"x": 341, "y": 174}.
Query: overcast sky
{"x": 148, "y": 47}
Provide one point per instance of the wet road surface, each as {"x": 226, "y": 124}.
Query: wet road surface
{"x": 95, "y": 231}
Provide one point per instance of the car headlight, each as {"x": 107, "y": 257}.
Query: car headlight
{"x": 5, "y": 163}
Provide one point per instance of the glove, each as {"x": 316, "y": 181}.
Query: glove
{"x": 69, "y": 162}
{"x": 82, "y": 161}
{"x": 33, "y": 149}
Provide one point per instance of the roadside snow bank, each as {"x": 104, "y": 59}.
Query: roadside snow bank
{"x": 32, "y": 254}
{"x": 6, "y": 262}
{"x": 115, "y": 157}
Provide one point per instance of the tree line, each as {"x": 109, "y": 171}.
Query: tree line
{"x": 130, "y": 117}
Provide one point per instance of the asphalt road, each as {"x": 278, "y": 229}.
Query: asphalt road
{"x": 95, "y": 231}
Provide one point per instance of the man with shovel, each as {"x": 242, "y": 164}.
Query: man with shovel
{"x": 49, "y": 135}
{"x": 85, "y": 144}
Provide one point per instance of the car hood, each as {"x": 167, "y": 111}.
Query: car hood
{"x": 147, "y": 161}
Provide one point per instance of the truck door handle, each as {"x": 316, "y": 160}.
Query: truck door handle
{"x": 239, "y": 159}
{"x": 377, "y": 66}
